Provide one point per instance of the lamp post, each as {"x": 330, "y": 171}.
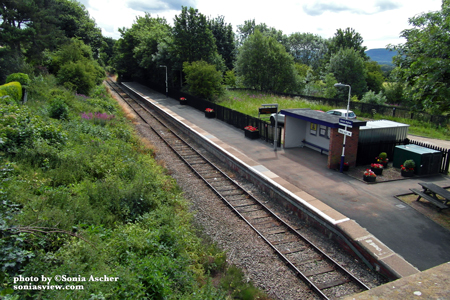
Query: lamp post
{"x": 167, "y": 88}
{"x": 341, "y": 169}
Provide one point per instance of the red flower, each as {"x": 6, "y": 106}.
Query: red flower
{"x": 369, "y": 173}
{"x": 250, "y": 128}
{"x": 209, "y": 110}
{"x": 376, "y": 166}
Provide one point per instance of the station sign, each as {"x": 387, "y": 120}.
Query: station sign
{"x": 345, "y": 132}
{"x": 267, "y": 110}
{"x": 345, "y": 122}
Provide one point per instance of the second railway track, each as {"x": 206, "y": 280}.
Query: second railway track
{"x": 324, "y": 276}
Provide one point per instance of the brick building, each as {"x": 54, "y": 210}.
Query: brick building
{"x": 319, "y": 131}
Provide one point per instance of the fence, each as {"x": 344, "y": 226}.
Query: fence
{"x": 389, "y": 111}
{"x": 368, "y": 151}
{"x": 232, "y": 117}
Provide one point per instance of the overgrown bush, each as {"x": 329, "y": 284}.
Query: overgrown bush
{"x": 203, "y": 79}
{"x": 101, "y": 184}
{"x": 58, "y": 109}
{"x": 373, "y": 98}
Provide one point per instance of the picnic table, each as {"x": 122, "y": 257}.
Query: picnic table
{"x": 430, "y": 192}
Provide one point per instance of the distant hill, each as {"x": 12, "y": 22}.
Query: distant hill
{"x": 381, "y": 55}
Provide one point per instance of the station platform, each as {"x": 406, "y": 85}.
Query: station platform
{"x": 399, "y": 237}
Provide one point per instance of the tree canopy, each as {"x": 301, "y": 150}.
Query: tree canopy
{"x": 423, "y": 62}
{"x": 263, "y": 63}
{"x": 348, "y": 67}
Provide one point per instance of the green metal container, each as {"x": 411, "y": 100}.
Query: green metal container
{"x": 428, "y": 161}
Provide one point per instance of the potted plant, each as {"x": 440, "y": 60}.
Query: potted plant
{"x": 377, "y": 168}
{"x": 369, "y": 176}
{"x": 345, "y": 167}
{"x": 183, "y": 101}
{"x": 382, "y": 159}
{"x": 210, "y": 113}
{"x": 407, "y": 169}
{"x": 251, "y": 132}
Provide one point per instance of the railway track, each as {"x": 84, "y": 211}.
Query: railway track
{"x": 324, "y": 276}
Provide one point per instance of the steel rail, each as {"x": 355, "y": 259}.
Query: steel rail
{"x": 293, "y": 231}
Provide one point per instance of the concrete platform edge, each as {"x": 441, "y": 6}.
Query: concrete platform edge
{"x": 352, "y": 237}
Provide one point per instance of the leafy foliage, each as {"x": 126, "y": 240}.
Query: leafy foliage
{"x": 307, "y": 48}
{"x": 203, "y": 79}
{"x": 192, "y": 37}
{"x": 22, "y": 78}
{"x": 373, "y": 98}
{"x": 264, "y": 64}
{"x": 348, "y": 68}
{"x": 13, "y": 90}
{"x": 347, "y": 39}
{"x": 422, "y": 62}
{"x": 75, "y": 67}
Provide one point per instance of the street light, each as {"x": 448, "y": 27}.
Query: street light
{"x": 167, "y": 87}
{"x": 341, "y": 169}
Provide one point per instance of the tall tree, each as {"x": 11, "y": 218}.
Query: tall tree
{"x": 375, "y": 76}
{"x": 225, "y": 40}
{"x": 347, "y": 39}
{"x": 136, "y": 52}
{"x": 264, "y": 64}
{"x": 423, "y": 62}
{"x": 249, "y": 27}
{"x": 349, "y": 68}
{"x": 307, "y": 48}
{"x": 192, "y": 37}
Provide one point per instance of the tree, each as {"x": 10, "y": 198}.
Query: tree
{"x": 75, "y": 67}
{"x": 28, "y": 27}
{"x": 375, "y": 76}
{"x": 192, "y": 37}
{"x": 347, "y": 39}
{"x": 225, "y": 40}
{"x": 307, "y": 48}
{"x": 348, "y": 67}
{"x": 203, "y": 79}
{"x": 264, "y": 64}
{"x": 249, "y": 27}
{"x": 423, "y": 62}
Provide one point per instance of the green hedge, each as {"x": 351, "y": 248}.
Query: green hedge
{"x": 13, "y": 89}
{"x": 19, "y": 77}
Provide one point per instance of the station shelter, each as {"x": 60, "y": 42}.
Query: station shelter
{"x": 320, "y": 131}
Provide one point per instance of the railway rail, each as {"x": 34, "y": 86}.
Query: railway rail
{"x": 323, "y": 275}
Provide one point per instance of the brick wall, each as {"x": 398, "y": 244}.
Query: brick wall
{"x": 351, "y": 147}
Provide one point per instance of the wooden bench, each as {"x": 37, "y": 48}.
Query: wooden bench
{"x": 431, "y": 199}
{"x": 314, "y": 145}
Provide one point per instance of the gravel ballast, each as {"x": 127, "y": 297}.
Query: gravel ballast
{"x": 244, "y": 247}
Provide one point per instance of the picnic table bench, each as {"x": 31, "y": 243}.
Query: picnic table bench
{"x": 430, "y": 192}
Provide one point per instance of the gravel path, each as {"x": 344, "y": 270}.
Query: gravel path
{"x": 243, "y": 246}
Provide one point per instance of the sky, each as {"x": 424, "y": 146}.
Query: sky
{"x": 379, "y": 22}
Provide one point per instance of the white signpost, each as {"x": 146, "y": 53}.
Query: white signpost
{"x": 346, "y": 132}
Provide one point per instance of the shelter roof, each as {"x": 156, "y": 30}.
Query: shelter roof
{"x": 318, "y": 117}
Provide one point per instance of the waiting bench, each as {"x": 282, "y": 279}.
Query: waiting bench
{"x": 314, "y": 145}
{"x": 431, "y": 199}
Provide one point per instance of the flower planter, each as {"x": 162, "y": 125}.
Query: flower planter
{"x": 253, "y": 135}
{"x": 407, "y": 174}
{"x": 377, "y": 171}
{"x": 385, "y": 164}
{"x": 345, "y": 168}
{"x": 210, "y": 114}
{"x": 369, "y": 178}
{"x": 183, "y": 102}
